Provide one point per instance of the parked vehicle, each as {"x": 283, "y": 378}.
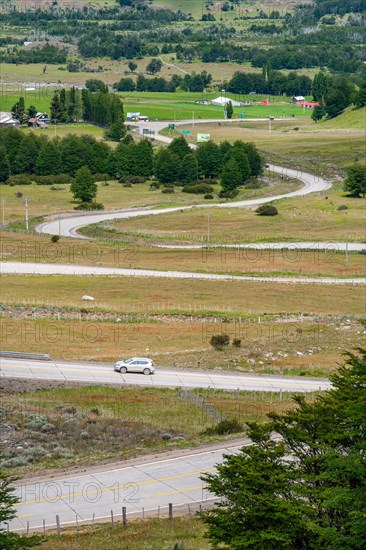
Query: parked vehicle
{"x": 143, "y": 365}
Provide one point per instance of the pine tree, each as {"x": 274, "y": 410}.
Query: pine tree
{"x": 179, "y": 146}
{"x": 188, "y": 170}
{"x": 57, "y": 108}
{"x": 231, "y": 176}
{"x": 242, "y": 161}
{"x": 31, "y": 111}
{"x": 166, "y": 166}
{"x": 8, "y": 500}
{"x": 143, "y": 158}
{"x": 18, "y": 110}
{"x": 208, "y": 157}
{"x": 83, "y": 186}
{"x": 229, "y": 110}
{"x": 26, "y": 157}
{"x": 256, "y": 161}
{"x": 116, "y": 131}
{"x": 355, "y": 183}
{"x": 4, "y": 165}
{"x": 49, "y": 159}
{"x": 78, "y": 106}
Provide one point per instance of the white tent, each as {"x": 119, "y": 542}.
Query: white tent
{"x": 222, "y": 101}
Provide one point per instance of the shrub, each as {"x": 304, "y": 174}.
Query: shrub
{"x": 209, "y": 181}
{"x": 168, "y": 190}
{"x": 101, "y": 177}
{"x": 19, "y": 179}
{"x": 343, "y": 207}
{"x": 237, "y": 342}
{"x": 267, "y": 210}
{"x": 208, "y": 196}
{"x": 253, "y": 184}
{"x": 57, "y": 188}
{"x": 49, "y": 180}
{"x": 55, "y": 238}
{"x": 154, "y": 186}
{"x": 226, "y": 426}
{"x": 220, "y": 341}
{"x": 127, "y": 184}
{"x": 230, "y": 194}
{"x": 198, "y": 188}
{"x": 133, "y": 179}
{"x": 90, "y": 206}
{"x": 104, "y": 184}
{"x": 18, "y": 194}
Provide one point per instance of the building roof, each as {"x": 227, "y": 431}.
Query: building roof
{"x": 222, "y": 101}
{"x": 298, "y": 98}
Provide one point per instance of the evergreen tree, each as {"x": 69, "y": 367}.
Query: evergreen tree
{"x": 57, "y": 108}
{"x": 321, "y": 86}
{"x": 10, "y": 139}
{"x": 4, "y": 165}
{"x": 166, "y": 166}
{"x": 78, "y": 106}
{"x": 318, "y": 113}
{"x": 231, "y": 176}
{"x": 73, "y": 153}
{"x": 229, "y": 110}
{"x": 360, "y": 100}
{"x": 143, "y": 158}
{"x": 208, "y": 157}
{"x": 49, "y": 160}
{"x": 256, "y": 161}
{"x": 121, "y": 161}
{"x": 86, "y": 101}
{"x": 242, "y": 161}
{"x": 8, "y": 500}
{"x": 315, "y": 500}
{"x": 32, "y": 111}
{"x": 26, "y": 157}
{"x": 116, "y": 131}
{"x": 18, "y": 110}
{"x": 188, "y": 170}
{"x": 83, "y": 187}
{"x": 355, "y": 183}
{"x": 179, "y": 146}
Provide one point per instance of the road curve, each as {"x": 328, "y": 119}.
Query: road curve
{"x": 68, "y": 227}
{"x": 31, "y": 268}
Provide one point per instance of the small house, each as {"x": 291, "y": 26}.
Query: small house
{"x": 43, "y": 117}
{"x": 32, "y": 122}
{"x": 297, "y": 99}
{"x": 308, "y": 104}
{"x": 7, "y": 120}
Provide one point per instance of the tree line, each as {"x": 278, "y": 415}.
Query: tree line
{"x": 177, "y": 164}
{"x": 188, "y": 83}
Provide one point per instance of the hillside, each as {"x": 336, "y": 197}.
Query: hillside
{"x": 352, "y": 119}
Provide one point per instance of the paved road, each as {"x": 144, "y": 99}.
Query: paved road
{"x": 32, "y": 268}
{"x": 68, "y": 227}
{"x": 144, "y": 485}
{"x": 104, "y": 374}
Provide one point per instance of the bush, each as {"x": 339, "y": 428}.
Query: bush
{"x": 127, "y": 184}
{"x": 226, "y": 426}
{"x": 253, "y": 184}
{"x": 208, "y": 196}
{"x": 90, "y": 206}
{"x": 267, "y": 210}
{"x": 19, "y": 179}
{"x": 230, "y": 194}
{"x": 220, "y": 341}
{"x": 133, "y": 179}
{"x": 55, "y": 238}
{"x": 154, "y": 186}
{"x": 49, "y": 180}
{"x": 101, "y": 177}
{"x": 18, "y": 194}
{"x": 198, "y": 188}
{"x": 57, "y": 188}
{"x": 168, "y": 190}
{"x": 237, "y": 343}
{"x": 343, "y": 207}
{"x": 209, "y": 181}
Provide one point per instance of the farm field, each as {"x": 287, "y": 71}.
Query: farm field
{"x": 129, "y": 294}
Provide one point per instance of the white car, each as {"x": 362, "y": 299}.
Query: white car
{"x": 135, "y": 364}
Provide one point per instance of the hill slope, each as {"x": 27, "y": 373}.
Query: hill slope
{"x": 351, "y": 118}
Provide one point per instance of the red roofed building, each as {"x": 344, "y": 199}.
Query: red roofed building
{"x": 308, "y": 104}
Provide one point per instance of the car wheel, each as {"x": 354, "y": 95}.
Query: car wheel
{"x": 146, "y": 371}
{"x": 123, "y": 370}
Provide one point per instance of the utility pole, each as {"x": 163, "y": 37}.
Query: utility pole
{"x": 59, "y": 220}
{"x": 208, "y": 228}
{"x": 347, "y": 249}
{"x": 3, "y": 211}
{"x": 26, "y": 214}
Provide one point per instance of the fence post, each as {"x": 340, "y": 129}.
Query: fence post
{"x": 143, "y": 515}
{"x": 170, "y": 511}
{"x": 44, "y": 526}
{"x": 112, "y": 519}
{"x": 58, "y": 526}
{"x": 27, "y": 527}
{"x": 124, "y": 516}
{"x": 159, "y": 511}
{"x": 77, "y": 524}
{"x": 93, "y": 520}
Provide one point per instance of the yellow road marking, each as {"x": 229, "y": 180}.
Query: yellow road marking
{"x": 177, "y": 491}
{"x": 56, "y": 498}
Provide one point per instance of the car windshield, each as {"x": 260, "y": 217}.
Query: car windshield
{"x": 128, "y": 361}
